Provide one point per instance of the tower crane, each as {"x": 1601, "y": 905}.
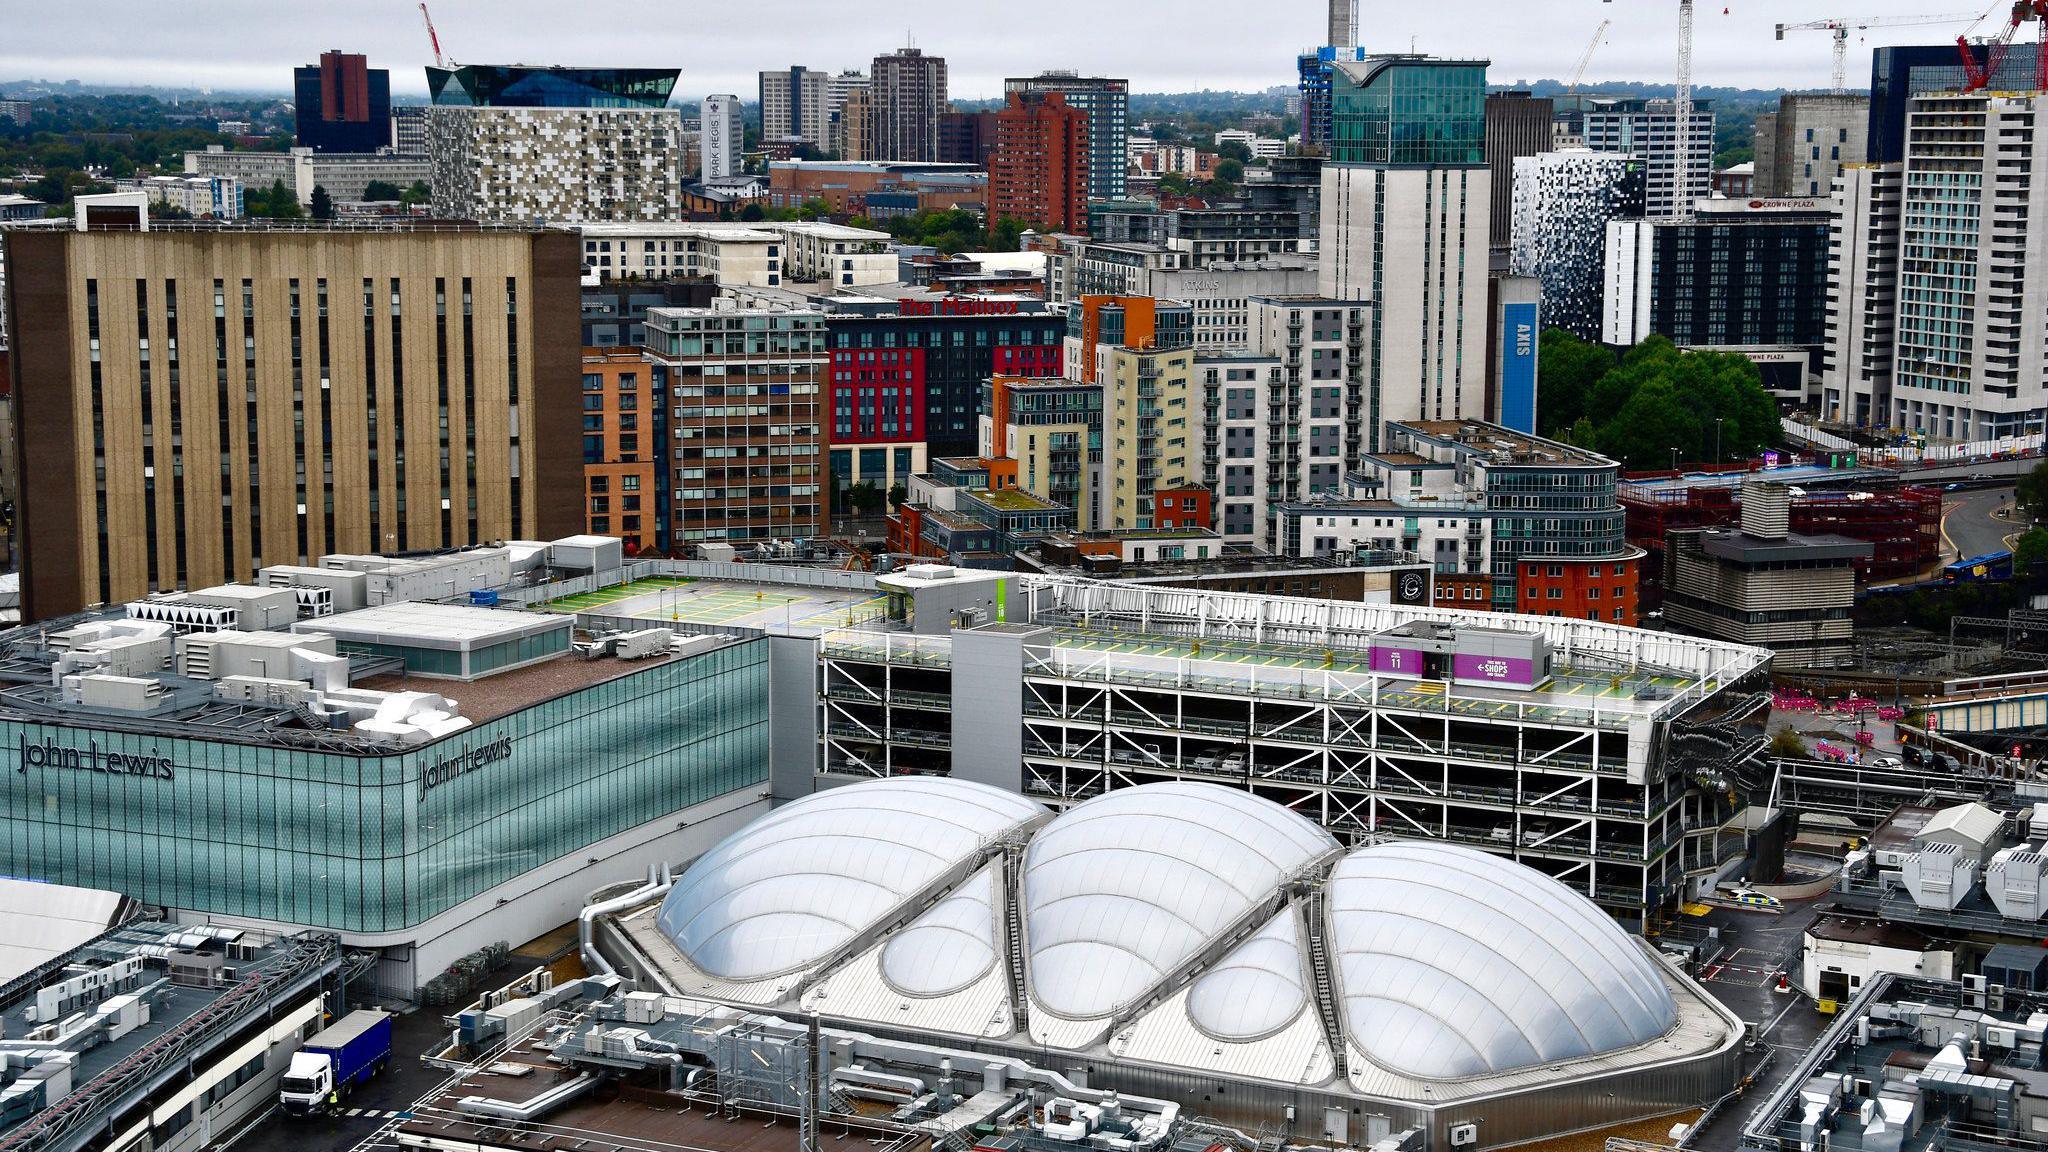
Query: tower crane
{"x": 1840, "y": 27}
{"x": 434, "y": 38}
{"x": 1681, "y": 116}
{"x": 1586, "y": 59}
{"x": 1996, "y": 47}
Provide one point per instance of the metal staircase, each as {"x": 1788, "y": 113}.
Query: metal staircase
{"x": 1013, "y": 932}
{"x": 1312, "y": 898}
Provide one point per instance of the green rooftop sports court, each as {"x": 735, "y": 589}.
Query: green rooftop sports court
{"x": 604, "y": 598}
{"x": 726, "y": 604}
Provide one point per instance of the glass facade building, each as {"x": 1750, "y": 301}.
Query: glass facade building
{"x": 1409, "y": 111}
{"x": 520, "y": 86}
{"x": 342, "y": 105}
{"x": 303, "y": 834}
{"x": 1897, "y": 72}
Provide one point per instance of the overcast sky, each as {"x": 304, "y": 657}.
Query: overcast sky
{"x": 1161, "y": 45}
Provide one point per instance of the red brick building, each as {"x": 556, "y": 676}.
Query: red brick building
{"x": 876, "y": 419}
{"x": 1189, "y": 507}
{"x": 1038, "y": 172}
{"x": 1596, "y": 589}
{"x": 896, "y": 189}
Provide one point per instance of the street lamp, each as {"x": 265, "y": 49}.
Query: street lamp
{"x": 1674, "y": 459}
{"x": 1717, "y": 440}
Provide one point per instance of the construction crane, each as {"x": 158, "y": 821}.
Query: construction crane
{"x": 434, "y": 38}
{"x": 1681, "y": 114}
{"x": 1996, "y": 47}
{"x": 1586, "y": 60}
{"x": 1841, "y": 26}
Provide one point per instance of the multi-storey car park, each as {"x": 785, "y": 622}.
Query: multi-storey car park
{"x": 1593, "y": 752}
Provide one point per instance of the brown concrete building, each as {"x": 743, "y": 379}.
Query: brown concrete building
{"x": 1038, "y": 172}
{"x": 747, "y": 410}
{"x": 967, "y": 138}
{"x": 907, "y": 95}
{"x": 857, "y": 124}
{"x": 197, "y": 403}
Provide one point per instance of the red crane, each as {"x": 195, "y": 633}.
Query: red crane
{"x": 434, "y": 38}
{"x": 1996, "y": 47}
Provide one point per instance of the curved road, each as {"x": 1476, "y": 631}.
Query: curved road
{"x": 1968, "y": 526}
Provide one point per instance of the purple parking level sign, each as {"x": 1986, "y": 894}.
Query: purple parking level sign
{"x": 1398, "y": 661}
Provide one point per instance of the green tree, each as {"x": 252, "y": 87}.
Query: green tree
{"x": 275, "y": 203}
{"x": 1004, "y": 234}
{"x": 753, "y": 212}
{"x": 416, "y": 195}
{"x": 2030, "y": 554}
{"x": 1788, "y": 744}
{"x": 1666, "y": 402}
{"x": 2030, "y": 492}
{"x": 1230, "y": 170}
{"x": 1175, "y": 184}
{"x": 1643, "y": 433}
{"x": 897, "y": 495}
{"x": 381, "y": 192}
{"x": 864, "y": 498}
{"x": 1234, "y": 150}
{"x": 323, "y": 204}
{"x": 1568, "y": 367}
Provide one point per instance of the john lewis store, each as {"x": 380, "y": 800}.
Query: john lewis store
{"x": 569, "y": 775}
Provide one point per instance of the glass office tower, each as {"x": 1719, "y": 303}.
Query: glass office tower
{"x": 520, "y": 86}
{"x": 1410, "y": 110}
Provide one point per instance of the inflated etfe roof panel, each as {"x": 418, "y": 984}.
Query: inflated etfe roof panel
{"x": 788, "y": 889}
{"x": 1453, "y": 963}
{"x": 1255, "y": 990}
{"x": 949, "y": 947}
{"x": 1123, "y": 889}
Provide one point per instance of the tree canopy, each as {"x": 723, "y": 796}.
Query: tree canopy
{"x": 956, "y": 231}
{"x": 1656, "y": 403}
{"x": 1570, "y": 368}
{"x": 2030, "y": 492}
{"x": 275, "y": 202}
{"x": 2030, "y": 554}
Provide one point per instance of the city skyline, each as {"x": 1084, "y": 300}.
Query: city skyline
{"x": 1734, "y": 46}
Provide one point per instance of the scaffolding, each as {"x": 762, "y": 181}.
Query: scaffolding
{"x": 1902, "y": 525}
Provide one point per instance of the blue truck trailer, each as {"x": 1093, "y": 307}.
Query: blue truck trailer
{"x": 327, "y": 1067}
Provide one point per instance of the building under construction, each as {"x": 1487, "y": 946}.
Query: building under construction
{"x": 1902, "y": 525}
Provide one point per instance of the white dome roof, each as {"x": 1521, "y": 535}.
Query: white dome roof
{"x": 1123, "y": 889}
{"x": 1257, "y": 989}
{"x": 1453, "y": 963}
{"x": 783, "y": 892}
{"x": 950, "y": 946}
